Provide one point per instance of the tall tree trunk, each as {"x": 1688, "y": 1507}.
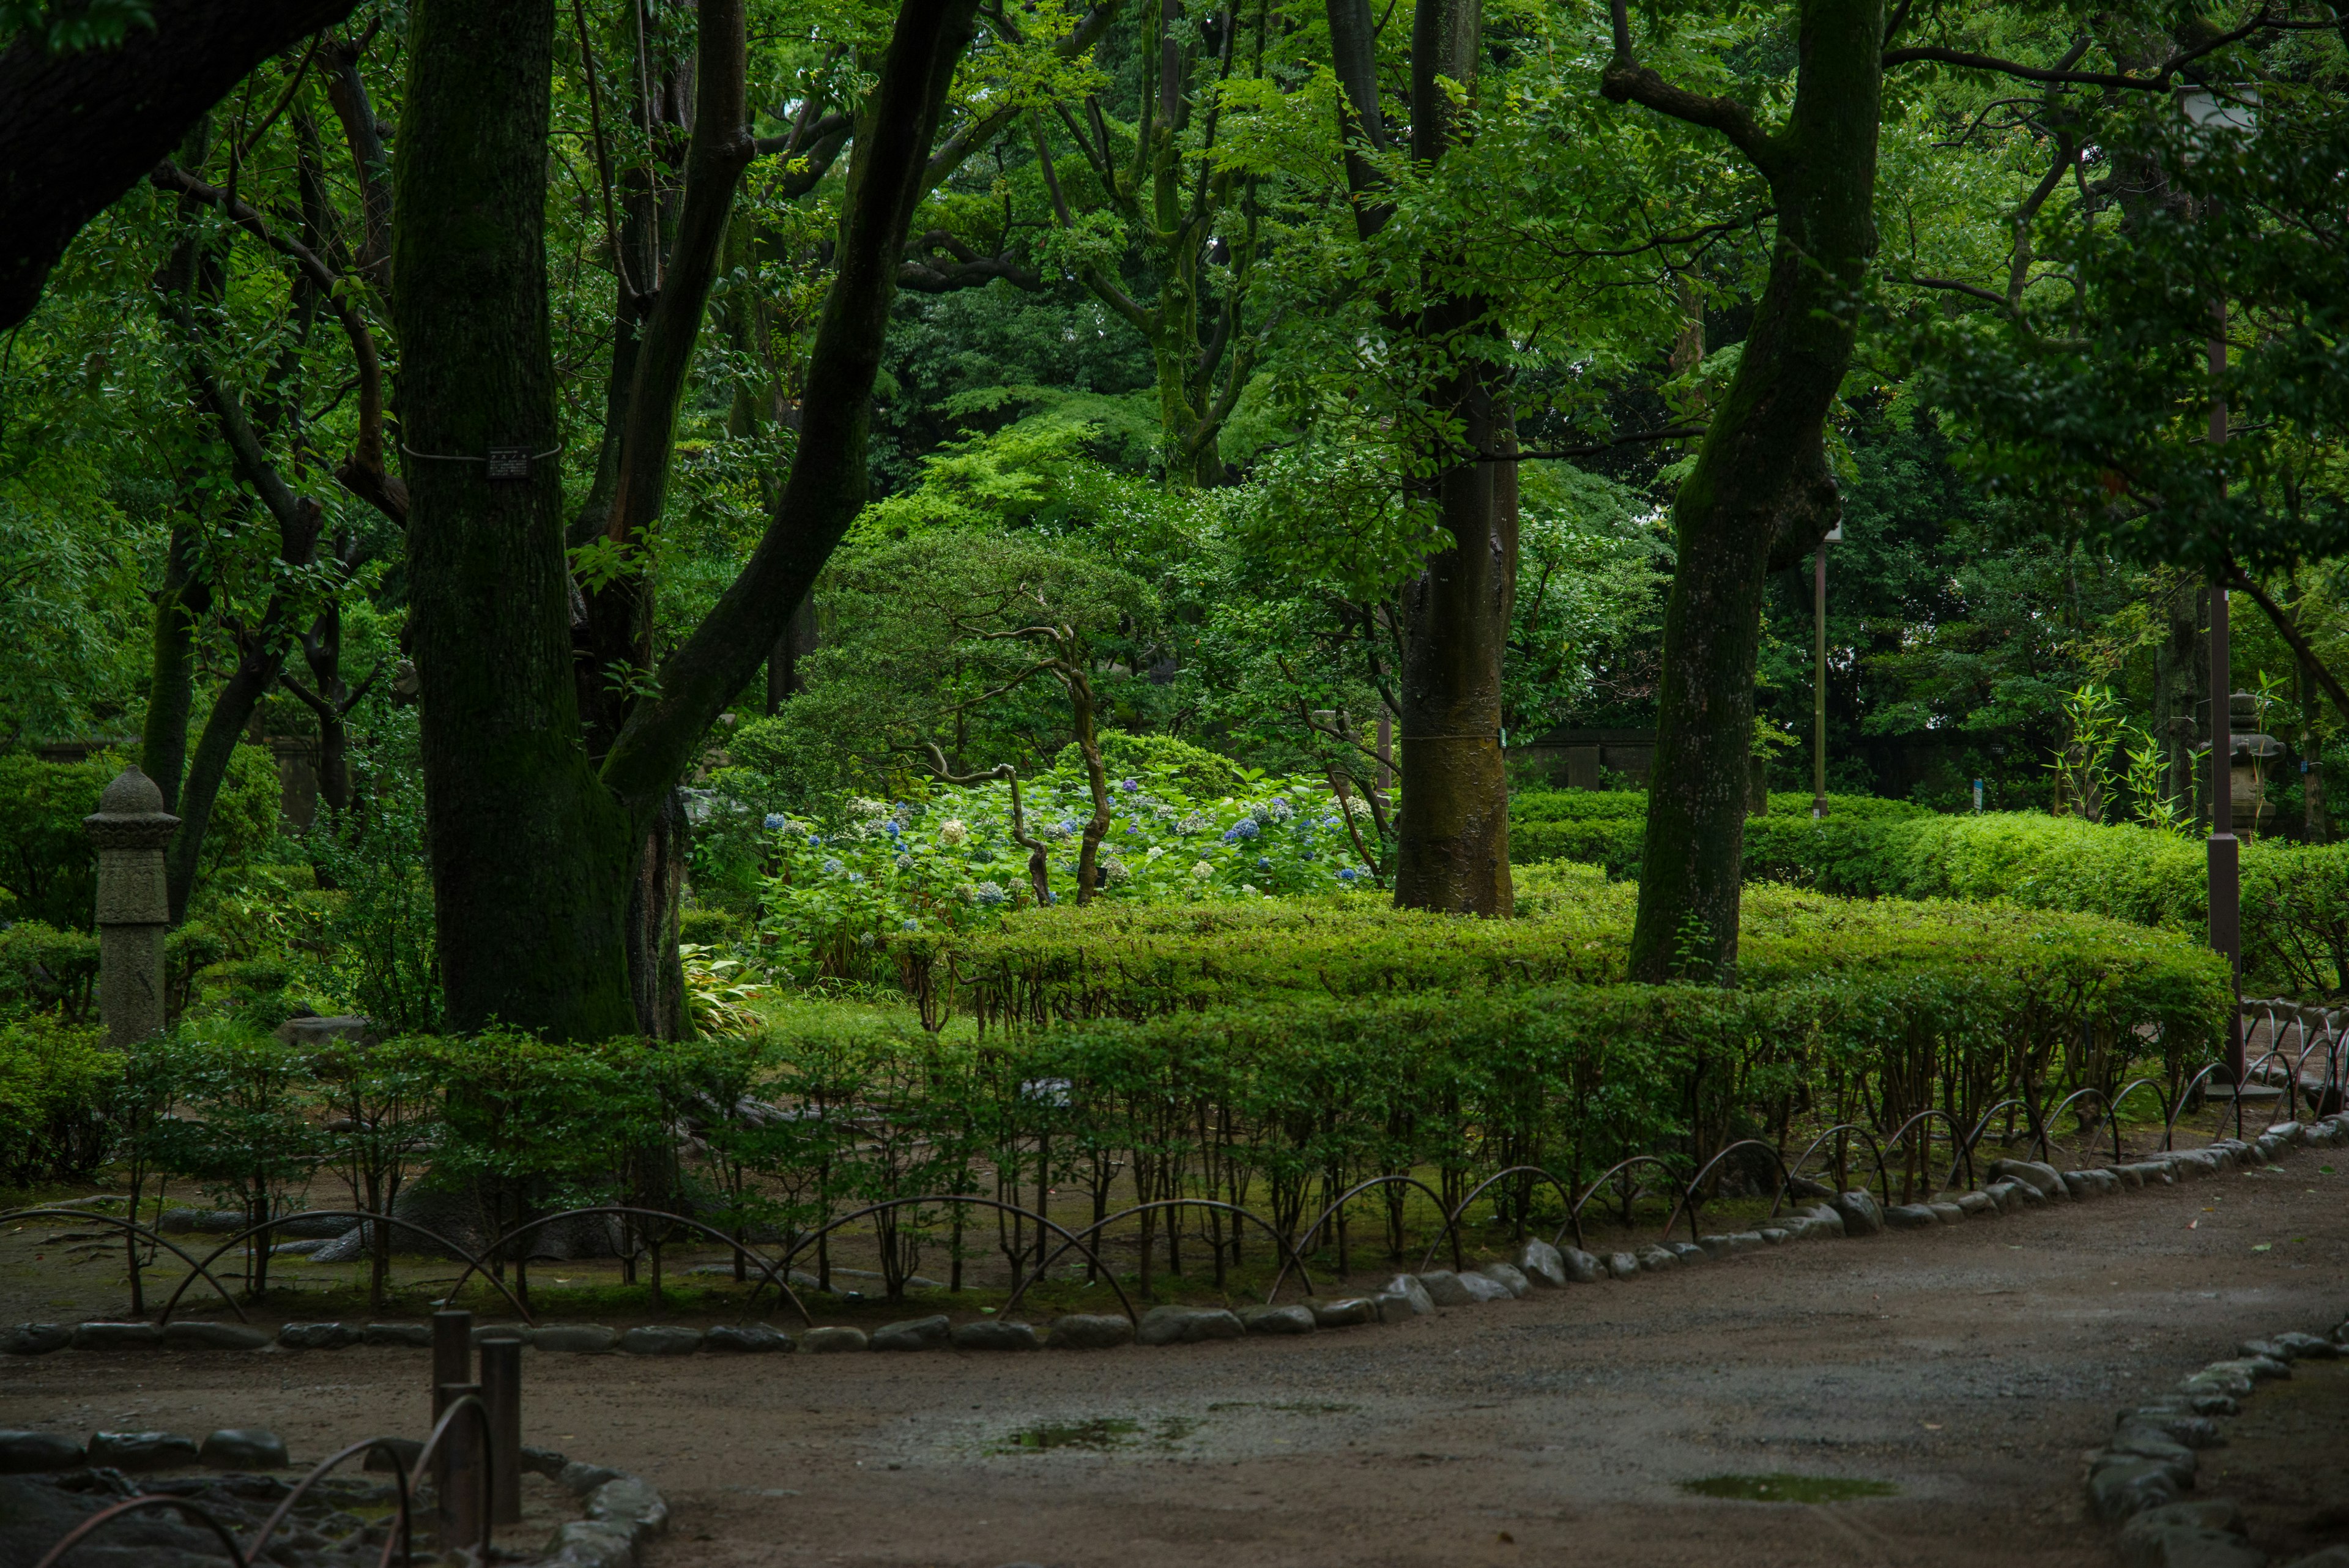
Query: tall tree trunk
{"x": 1760, "y": 495}
{"x": 1454, "y": 827}
{"x": 532, "y": 859}
{"x": 171, "y": 668}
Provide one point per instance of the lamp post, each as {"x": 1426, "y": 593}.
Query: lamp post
{"x": 1819, "y": 686}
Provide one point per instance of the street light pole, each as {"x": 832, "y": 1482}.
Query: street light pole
{"x": 2225, "y": 851}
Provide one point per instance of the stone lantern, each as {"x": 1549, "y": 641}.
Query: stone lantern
{"x": 2252, "y": 757}
{"x": 129, "y": 829}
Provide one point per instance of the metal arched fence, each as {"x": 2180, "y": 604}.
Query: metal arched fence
{"x": 1912, "y": 1151}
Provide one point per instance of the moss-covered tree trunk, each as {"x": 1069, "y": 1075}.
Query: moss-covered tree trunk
{"x": 531, "y": 857}
{"x": 1760, "y": 495}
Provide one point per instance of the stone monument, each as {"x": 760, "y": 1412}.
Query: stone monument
{"x": 130, "y": 828}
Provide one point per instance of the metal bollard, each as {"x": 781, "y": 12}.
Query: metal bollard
{"x": 453, "y": 1365}
{"x": 502, "y": 1392}
{"x": 463, "y": 1516}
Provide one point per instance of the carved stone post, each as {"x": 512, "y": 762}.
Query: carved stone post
{"x": 134, "y": 907}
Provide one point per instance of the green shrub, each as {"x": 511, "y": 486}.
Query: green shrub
{"x": 54, "y": 1083}
{"x": 43, "y": 969}
{"x": 47, "y": 870}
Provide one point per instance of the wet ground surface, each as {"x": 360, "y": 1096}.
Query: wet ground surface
{"x": 1973, "y": 1369}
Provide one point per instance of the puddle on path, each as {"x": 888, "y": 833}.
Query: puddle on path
{"x": 1098, "y": 1436}
{"x": 1789, "y": 1488}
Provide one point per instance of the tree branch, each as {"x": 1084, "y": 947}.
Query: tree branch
{"x": 2293, "y": 638}
{"x": 2156, "y": 81}
{"x": 1625, "y": 80}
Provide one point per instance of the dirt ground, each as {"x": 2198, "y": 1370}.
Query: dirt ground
{"x": 1972, "y": 1368}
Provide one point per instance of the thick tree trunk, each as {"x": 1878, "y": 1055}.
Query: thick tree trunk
{"x": 532, "y": 859}
{"x": 1760, "y": 495}
{"x": 1454, "y": 827}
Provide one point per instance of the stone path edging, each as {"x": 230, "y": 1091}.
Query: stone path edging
{"x": 1539, "y": 1265}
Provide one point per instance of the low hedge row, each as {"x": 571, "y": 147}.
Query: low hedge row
{"x": 2295, "y": 897}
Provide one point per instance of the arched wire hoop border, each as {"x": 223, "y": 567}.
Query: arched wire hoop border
{"x": 2112, "y": 1121}
{"x": 403, "y": 1521}
{"x": 470, "y": 1404}
{"x": 136, "y": 1228}
{"x": 2178, "y": 1106}
{"x": 1078, "y": 1241}
{"x": 1875, "y": 1151}
{"x": 1689, "y": 1202}
{"x": 1450, "y": 1219}
{"x": 172, "y": 1304}
{"x": 474, "y": 1265}
{"x": 1069, "y": 1239}
{"x": 1574, "y": 1215}
{"x": 1964, "y": 1151}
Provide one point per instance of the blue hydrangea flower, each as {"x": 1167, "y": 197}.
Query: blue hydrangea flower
{"x": 1065, "y": 826}
{"x": 1347, "y": 872}
{"x": 909, "y": 925}
{"x": 856, "y": 875}
{"x": 1241, "y": 831}
{"x": 775, "y": 819}
{"x": 1263, "y": 864}
{"x": 1131, "y": 786}
{"x": 814, "y": 842}
{"x": 832, "y": 867}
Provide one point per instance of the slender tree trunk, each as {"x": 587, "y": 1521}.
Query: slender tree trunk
{"x": 1760, "y": 495}
{"x": 171, "y": 679}
{"x": 531, "y": 856}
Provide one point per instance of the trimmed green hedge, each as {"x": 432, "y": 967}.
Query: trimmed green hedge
{"x": 2295, "y": 895}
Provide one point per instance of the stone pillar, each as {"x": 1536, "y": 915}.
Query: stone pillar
{"x": 130, "y": 828}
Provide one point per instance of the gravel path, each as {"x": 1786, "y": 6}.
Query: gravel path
{"x": 1971, "y": 1368}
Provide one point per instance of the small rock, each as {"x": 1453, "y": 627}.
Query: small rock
{"x": 1541, "y": 1265}
{"x": 2128, "y": 1488}
{"x": 591, "y": 1543}
{"x": 1911, "y": 1217}
{"x": 992, "y": 1333}
{"x": 1485, "y": 1288}
{"x": 2263, "y": 1368}
{"x": 542, "y": 1461}
{"x": 213, "y": 1336}
{"x": 2227, "y": 1381}
{"x": 1824, "y": 1218}
{"x": 1656, "y": 1259}
{"x": 1974, "y": 1205}
{"x": 579, "y": 1479}
{"x": 1581, "y": 1268}
{"x": 325, "y": 1335}
{"x": 2264, "y": 1349}
{"x": 1622, "y": 1265}
{"x": 1089, "y": 1331}
{"x": 133, "y": 1452}
{"x": 2139, "y": 1442}
{"x": 2148, "y": 1172}
{"x": 578, "y": 1338}
{"x": 1689, "y": 1252}
{"x": 116, "y": 1335}
{"x": 2042, "y": 1178}
{"x": 630, "y": 1502}
{"x": 660, "y": 1339}
{"x": 1445, "y": 1289}
{"x": 243, "y": 1449}
{"x": 1947, "y": 1213}
{"x": 35, "y": 1338}
{"x": 1861, "y": 1216}
{"x": 1289, "y": 1319}
{"x": 22, "y": 1453}
{"x": 2305, "y": 1347}
{"x": 831, "y": 1341}
{"x": 1771, "y": 1236}
{"x": 416, "y": 1333}
{"x": 1508, "y": 1278}
{"x": 2179, "y": 1547}
{"x": 2214, "y": 1513}
{"x": 1342, "y": 1312}
{"x": 2014, "y": 1195}
{"x": 1187, "y": 1326}
{"x": 746, "y": 1338}
{"x": 1403, "y": 1296}
{"x": 932, "y": 1332}
{"x": 2181, "y": 1427}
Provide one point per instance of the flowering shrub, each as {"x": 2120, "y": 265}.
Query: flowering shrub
{"x": 879, "y": 877}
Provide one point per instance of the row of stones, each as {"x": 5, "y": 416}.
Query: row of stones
{"x": 2136, "y": 1478}
{"x": 620, "y": 1512}
{"x": 2012, "y": 1185}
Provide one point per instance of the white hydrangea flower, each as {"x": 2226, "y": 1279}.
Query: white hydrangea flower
{"x": 1278, "y": 809}
{"x": 1116, "y": 870}
{"x": 1156, "y": 851}
{"x": 1193, "y": 823}
{"x": 954, "y": 831}
{"x": 864, "y": 805}
{"x": 1202, "y": 871}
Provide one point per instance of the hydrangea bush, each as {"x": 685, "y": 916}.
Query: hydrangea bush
{"x": 878, "y": 875}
